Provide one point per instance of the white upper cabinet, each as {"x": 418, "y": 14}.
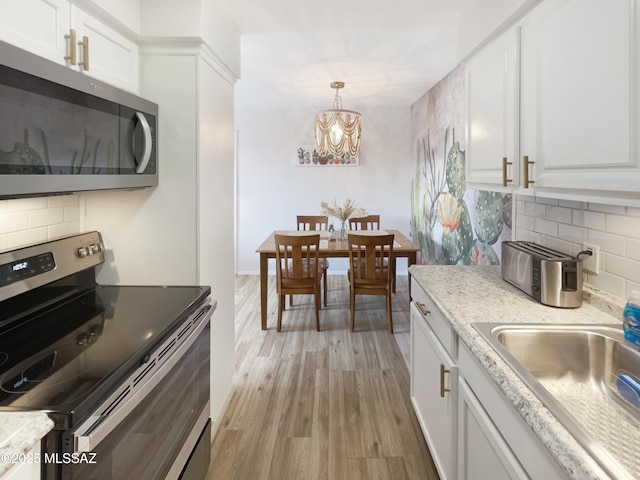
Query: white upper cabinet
{"x": 492, "y": 113}
{"x": 65, "y": 34}
{"x": 38, "y": 26}
{"x": 573, "y": 115}
{"x": 111, "y": 57}
{"x": 579, "y": 96}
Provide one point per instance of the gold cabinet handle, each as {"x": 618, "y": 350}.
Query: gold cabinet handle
{"x": 85, "y": 52}
{"x": 423, "y": 309}
{"x": 443, "y": 371}
{"x": 526, "y": 171}
{"x": 505, "y": 179}
{"x": 72, "y": 47}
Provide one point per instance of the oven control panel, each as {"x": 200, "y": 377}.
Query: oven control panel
{"x": 26, "y": 268}
{"x": 30, "y": 267}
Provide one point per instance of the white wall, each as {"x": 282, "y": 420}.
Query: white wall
{"x": 156, "y": 227}
{"x": 272, "y": 190}
{"x": 193, "y": 19}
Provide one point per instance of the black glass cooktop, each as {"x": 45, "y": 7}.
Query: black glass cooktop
{"x": 67, "y": 356}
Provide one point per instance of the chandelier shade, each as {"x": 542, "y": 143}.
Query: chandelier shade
{"x": 338, "y": 131}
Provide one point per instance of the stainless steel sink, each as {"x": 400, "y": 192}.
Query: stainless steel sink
{"x": 574, "y": 370}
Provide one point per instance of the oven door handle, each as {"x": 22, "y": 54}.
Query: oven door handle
{"x": 88, "y": 435}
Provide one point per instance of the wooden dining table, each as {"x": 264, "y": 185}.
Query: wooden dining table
{"x": 402, "y": 248}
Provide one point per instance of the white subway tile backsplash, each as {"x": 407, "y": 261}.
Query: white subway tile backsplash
{"x": 46, "y": 216}
{"x": 29, "y": 220}
{"x": 525, "y": 221}
{"x": 623, "y": 225}
{"x": 572, "y": 233}
{"x": 546, "y": 227}
{"x": 573, "y": 204}
{"x": 13, "y": 221}
{"x": 623, "y": 267}
{"x": 558, "y": 214}
{"x": 71, "y": 213}
{"x": 610, "y": 283}
{"x": 592, "y": 220}
{"x": 62, "y": 201}
{"x": 26, "y": 204}
{"x": 608, "y": 242}
{"x": 64, "y": 229}
{"x": 547, "y": 201}
{"x": 615, "y": 209}
{"x": 27, "y": 237}
{"x": 560, "y": 245}
{"x": 632, "y": 248}
{"x": 564, "y": 225}
{"x": 534, "y": 210}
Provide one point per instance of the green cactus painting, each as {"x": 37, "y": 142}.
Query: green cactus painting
{"x": 451, "y": 224}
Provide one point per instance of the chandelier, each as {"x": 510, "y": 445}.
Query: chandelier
{"x": 338, "y": 130}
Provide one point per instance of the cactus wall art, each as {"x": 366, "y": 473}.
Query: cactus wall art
{"x": 450, "y": 224}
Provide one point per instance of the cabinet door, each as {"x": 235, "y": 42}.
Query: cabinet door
{"x": 580, "y": 95}
{"x": 492, "y": 112}
{"x": 430, "y": 366}
{"x": 112, "y": 57}
{"x": 482, "y": 452}
{"x": 29, "y": 469}
{"x": 38, "y": 26}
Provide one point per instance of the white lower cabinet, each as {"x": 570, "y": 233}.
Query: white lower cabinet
{"x": 513, "y": 449}
{"x": 482, "y": 452}
{"x": 27, "y": 470}
{"x": 433, "y": 392}
{"x": 472, "y": 429}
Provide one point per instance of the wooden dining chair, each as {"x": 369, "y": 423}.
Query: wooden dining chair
{"x": 369, "y": 272}
{"x": 313, "y": 223}
{"x": 297, "y": 270}
{"x": 370, "y": 222}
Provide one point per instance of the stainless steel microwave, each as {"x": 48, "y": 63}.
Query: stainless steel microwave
{"x": 62, "y": 131}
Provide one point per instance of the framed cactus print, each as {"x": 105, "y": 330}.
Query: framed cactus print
{"x": 308, "y": 156}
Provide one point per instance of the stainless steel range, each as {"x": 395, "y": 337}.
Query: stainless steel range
{"x": 123, "y": 371}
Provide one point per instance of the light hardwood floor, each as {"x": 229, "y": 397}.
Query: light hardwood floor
{"x": 320, "y": 405}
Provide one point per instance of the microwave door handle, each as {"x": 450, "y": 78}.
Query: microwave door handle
{"x": 146, "y": 154}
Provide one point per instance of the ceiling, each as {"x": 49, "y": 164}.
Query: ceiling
{"x": 388, "y": 52}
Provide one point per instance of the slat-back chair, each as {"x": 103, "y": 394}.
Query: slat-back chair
{"x": 297, "y": 270}
{"x": 313, "y": 223}
{"x": 369, "y": 272}
{"x": 370, "y": 222}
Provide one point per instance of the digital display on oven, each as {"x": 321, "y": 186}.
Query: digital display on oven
{"x": 26, "y": 268}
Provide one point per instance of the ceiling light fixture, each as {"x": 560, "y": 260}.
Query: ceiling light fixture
{"x": 338, "y": 130}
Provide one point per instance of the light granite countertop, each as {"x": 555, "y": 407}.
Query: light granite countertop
{"x": 467, "y": 295}
{"x": 19, "y": 433}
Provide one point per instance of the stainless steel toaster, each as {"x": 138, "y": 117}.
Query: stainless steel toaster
{"x": 551, "y": 277}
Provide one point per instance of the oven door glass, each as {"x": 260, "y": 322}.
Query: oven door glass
{"x": 147, "y": 442}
